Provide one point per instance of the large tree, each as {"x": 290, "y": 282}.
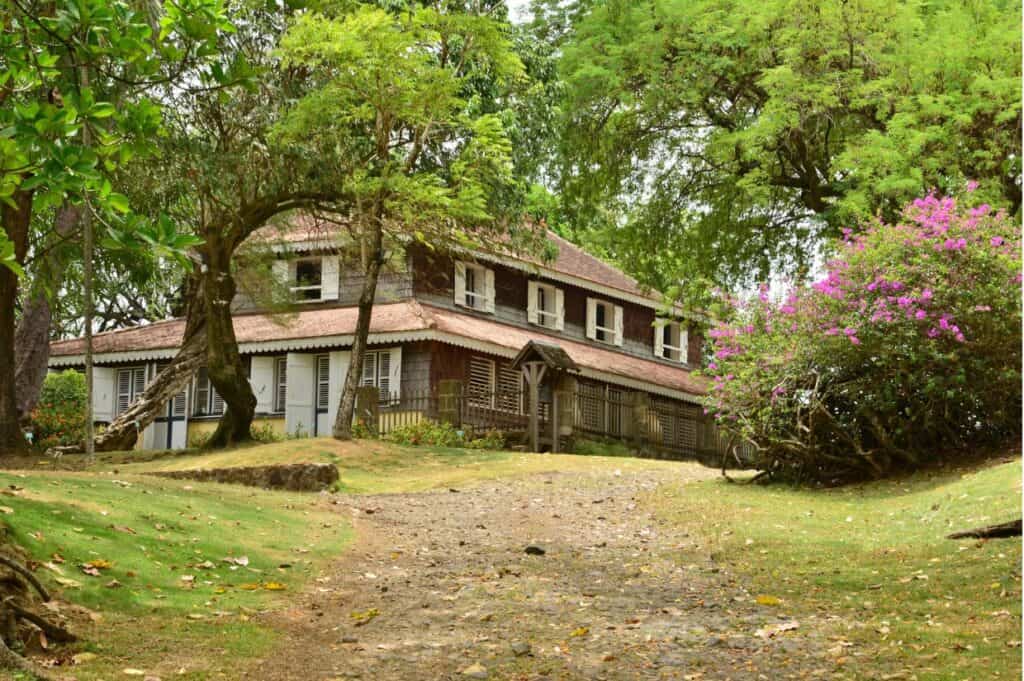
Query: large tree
{"x": 417, "y": 98}
{"x": 63, "y": 133}
{"x": 222, "y": 176}
{"x": 728, "y": 137}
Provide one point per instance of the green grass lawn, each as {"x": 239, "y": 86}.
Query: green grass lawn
{"x": 163, "y": 599}
{"x": 912, "y": 603}
{"x": 157, "y": 548}
{"x": 372, "y": 466}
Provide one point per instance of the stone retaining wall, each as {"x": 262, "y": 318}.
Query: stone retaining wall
{"x": 297, "y": 477}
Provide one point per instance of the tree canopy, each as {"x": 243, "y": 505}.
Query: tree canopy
{"x": 730, "y": 137}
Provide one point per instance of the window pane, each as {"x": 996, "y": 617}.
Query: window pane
{"x": 308, "y": 273}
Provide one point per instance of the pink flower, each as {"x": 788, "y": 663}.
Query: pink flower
{"x": 996, "y": 241}
{"x": 854, "y": 340}
{"x": 712, "y": 365}
{"x": 921, "y": 314}
{"x": 850, "y": 331}
{"x": 972, "y": 185}
{"x": 926, "y": 294}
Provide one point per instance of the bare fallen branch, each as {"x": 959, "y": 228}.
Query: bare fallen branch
{"x": 1010, "y": 529}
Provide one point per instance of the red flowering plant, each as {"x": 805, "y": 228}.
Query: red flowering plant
{"x": 907, "y": 350}
{"x": 59, "y": 417}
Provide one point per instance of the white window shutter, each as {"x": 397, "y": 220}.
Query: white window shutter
{"x": 323, "y": 377}
{"x": 329, "y": 278}
{"x": 531, "y": 302}
{"x": 659, "y": 339}
{"x": 684, "y": 343}
{"x": 618, "y": 325}
{"x": 103, "y": 379}
{"x": 261, "y": 378}
{"x": 280, "y": 271}
{"x": 300, "y": 408}
{"x": 489, "y": 290}
{"x": 460, "y": 283}
{"x": 591, "y": 318}
{"x": 139, "y": 382}
{"x": 384, "y": 375}
{"x": 395, "y": 373}
{"x": 218, "y": 402}
{"x": 559, "y": 310}
{"x": 369, "y": 369}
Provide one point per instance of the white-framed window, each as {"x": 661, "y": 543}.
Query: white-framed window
{"x": 494, "y": 385}
{"x": 206, "y": 401}
{"x": 131, "y": 381}
{"x": 383, "y": 370}
{"x": 280, "y": 384}
{"x": 310, "y": 278}
{"x": 670, "y": 341}
{"x": 604, "y": 321}
{"x": 178, "y": 403}
{"x": 474, "y": 286}
{"x": 545, "y": 305}
{"x": 323, "y": 382}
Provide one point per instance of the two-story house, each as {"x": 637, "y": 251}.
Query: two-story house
{"x": 436, "y": 317}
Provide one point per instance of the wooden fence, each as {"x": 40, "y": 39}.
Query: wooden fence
{"x": 652, "y": 426}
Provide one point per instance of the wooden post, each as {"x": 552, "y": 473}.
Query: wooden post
{"x": 555, "y": 436}
{"x": 534, "y": 373}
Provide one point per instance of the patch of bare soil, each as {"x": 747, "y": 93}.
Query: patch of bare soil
{"x": 442, "y": 585}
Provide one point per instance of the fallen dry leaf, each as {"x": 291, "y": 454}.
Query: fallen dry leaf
{"x": 772, "y": 629}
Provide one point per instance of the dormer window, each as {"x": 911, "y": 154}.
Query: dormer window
{"x": 474, "y": 286}
{"x": 670, "y": 341}
{"x": 545, "y": 306}
{"x": 310, "y": 278}
{"x": 604, "y": 321}
{"x": 307, "y": 283}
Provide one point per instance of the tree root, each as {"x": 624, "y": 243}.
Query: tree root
{"x": 27, "y": 574}
{"x": 12, "y": 660}
{"x": 1010, "y": 529}
{"x": 53, "y": 632}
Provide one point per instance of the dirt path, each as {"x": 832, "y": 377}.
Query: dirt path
{"x": 616, "y": 595}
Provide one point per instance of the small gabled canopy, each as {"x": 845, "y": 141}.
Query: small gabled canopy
{"x": 551, "y": 355}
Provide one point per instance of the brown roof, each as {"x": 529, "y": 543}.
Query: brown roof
{"x": 575, "y": 261}
{"x": 552, "y": 355}
{"x": 255, "y": 328}
{"x": 392, "y": 318}
{"x": 571, "y": 259}
{"x": 584, "y": 354}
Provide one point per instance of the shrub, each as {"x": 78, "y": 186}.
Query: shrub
{"x": 589, "y": 447}
{"x": 265, "y": 433}
{"x": 907, "y": 349}
{"x": 427, "y": 432}
{"x": 492, "y": 439}
{"x": 60, "y": 416}
{"x": 436, "y": 434}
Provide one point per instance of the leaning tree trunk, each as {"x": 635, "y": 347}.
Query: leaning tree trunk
{"x": 123, "y": 432}
{"x": 15, "y": 219}
{"x": 343, "y": 421}
{"x": 223, "y": 361}
{"x": 32, "y": 339}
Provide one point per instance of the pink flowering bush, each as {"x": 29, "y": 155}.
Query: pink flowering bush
{"x": 908, "y": 349}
